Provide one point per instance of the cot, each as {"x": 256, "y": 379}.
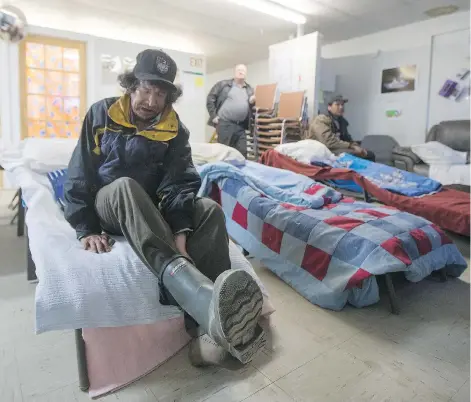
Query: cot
{"x": 106, "y": 299}
{"x": 329, "y": 248}
{"x": 448, "y": 208}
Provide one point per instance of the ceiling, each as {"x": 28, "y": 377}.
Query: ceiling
{"x": 227, "y": 33}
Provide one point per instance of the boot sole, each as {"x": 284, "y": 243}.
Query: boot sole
{"x": 238, "y": 307}
{"x": 245, "y": 353}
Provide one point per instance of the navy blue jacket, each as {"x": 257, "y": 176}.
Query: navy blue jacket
{"x": 110, "y": 147}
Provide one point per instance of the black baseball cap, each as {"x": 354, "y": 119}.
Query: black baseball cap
{"x": 336, "y": 98}
{"x": 155, "y": 65}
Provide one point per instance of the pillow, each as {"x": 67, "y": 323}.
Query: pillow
{"x": 43, "y": 155}
{"x": 306, "y": 151}
{"x": 57, "y": 179}
{"x": 436, "y": 153}
{"x": 203, "y": 153}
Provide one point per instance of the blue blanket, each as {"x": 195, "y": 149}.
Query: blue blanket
{"x": 276, "y": 184}
{"x": 387, "y": 177}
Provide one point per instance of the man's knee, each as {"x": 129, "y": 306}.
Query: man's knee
{"x": 122, "y": 188}
{"x": 125, "y": 184}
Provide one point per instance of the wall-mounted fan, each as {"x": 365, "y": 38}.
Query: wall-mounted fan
{"x": 12, "y": 23}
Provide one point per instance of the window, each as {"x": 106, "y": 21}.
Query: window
{"x": 53, "y": 87}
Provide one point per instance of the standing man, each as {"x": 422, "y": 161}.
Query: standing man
{"x": 228, "y": 105}
{"x": 332, "y": 130}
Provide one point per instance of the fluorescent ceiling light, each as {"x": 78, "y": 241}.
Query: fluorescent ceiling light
{"x": 439, "y": 11}
{"x": 275, "y": 10}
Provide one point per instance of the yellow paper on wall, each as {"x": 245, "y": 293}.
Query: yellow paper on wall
{"x": 199, "y": 82}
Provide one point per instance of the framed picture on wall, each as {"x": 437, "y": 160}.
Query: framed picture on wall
{"x": 398, "y": 79}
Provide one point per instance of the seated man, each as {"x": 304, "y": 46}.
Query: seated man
{"x": 132, "y": 174}
{"x": 332, "y": 130}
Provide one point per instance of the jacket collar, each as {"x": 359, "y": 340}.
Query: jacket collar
{"x": 245, "y": 85}
{"x": 165, "y": 129}
{"x": 338, "y": 118}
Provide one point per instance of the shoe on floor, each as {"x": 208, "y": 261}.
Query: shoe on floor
{"x": 205, "y": 352}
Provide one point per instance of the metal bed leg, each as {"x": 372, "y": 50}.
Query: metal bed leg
{"x": 20, "y": 230}
{"x": 395, "y": 309}
{"x": 84, "y": 383}
{"x": 30, "y": 266}
{"x": 443, "y": 275}
{"x": 12, "y": 204}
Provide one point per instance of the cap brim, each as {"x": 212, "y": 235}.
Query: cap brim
{"x": 337, "y": 100}
{"x": 152, "y": 77}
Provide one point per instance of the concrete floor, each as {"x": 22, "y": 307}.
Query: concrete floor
{"x": 316, "y": 355}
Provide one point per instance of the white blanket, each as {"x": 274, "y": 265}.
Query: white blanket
{"x": 450, "y": 174}
{"x": 203, "y": 153}
{"x": 78, "y": 289}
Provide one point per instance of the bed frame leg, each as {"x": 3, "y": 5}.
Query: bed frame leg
{"x": 84, "y": 383}
{"x": 20, "y": 229}
{"x": 30, "y": 266}
{"x": 392, "y": 294}
{"x": 443, "y": 275}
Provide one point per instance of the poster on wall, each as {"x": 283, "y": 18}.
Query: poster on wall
{"x": 399, "y": 79}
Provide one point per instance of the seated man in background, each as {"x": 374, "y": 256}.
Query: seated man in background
{"x": 228, "y": 105}
{"x": 332, "y": 130}
{"x": 132, "y": 174}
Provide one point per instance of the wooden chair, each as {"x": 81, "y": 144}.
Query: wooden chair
{"x": 269, "y": 131}
{"x": 265, "y": 97}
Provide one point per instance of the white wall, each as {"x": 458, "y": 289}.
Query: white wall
{"x": 359, "y": 79}
{"x": 407, "y": 36}
{"x": 295, "y": 69}
{"x": 438, "y": 47}
{"x": 450, "y": 54}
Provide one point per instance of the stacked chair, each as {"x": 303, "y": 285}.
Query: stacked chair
{"x": 265, "y": 97}
{"x": 272, "y": 128}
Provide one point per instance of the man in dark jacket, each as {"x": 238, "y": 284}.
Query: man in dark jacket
{"x": 132, "y": 174}
{"x": 332, "y": 130}
{"x": 228, "y": 105}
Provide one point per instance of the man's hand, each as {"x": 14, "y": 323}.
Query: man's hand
{"x": 216, "y": 120}
{"x": 97, "y": 243}
{"x": 358, "y": 151}
{"x": 252, "y": 99}
{"x": 180, "y": 242}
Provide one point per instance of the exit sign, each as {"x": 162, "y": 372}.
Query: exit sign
{"x": 196, "y": 62}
